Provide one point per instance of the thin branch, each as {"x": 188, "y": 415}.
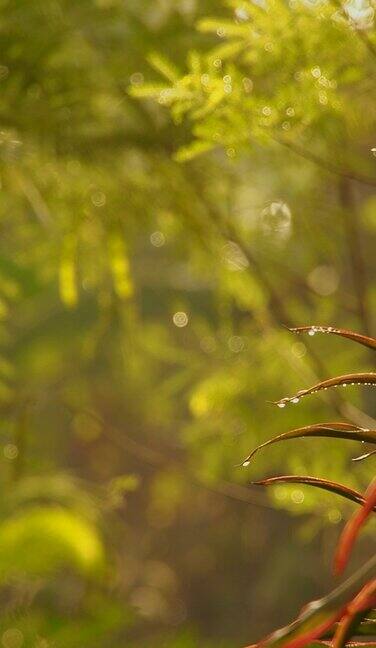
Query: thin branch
{"x": 157, "y": 459}
{"x": 366, "y": 41}
{"x": 34, "y": 198}
{"x": 325, "y": 164}
{"x": 358, "y": 266}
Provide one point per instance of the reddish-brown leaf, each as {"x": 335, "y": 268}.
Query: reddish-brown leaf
{"x": 336, "y": 430}
{"x": 356, "y": 609}
{"x": 366, "y": 378}
{"x": 324, "y": 484}
{"x": 366, "y": 341}
{"x": 349, "y": 644}
{"x": 352, "y": 528}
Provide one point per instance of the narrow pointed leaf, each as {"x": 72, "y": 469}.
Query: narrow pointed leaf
{"x": 366, "y": 378}
{"x": 352, "y": 528}
{"x": 365, "y": 455}
{"x": 336, "y": 430}
{"x": 366, "y": 341}
{"x": 324, "y": 484}
{"x": 318, "y": 617}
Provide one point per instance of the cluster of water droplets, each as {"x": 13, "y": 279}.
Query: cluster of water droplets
{"x": 360, "y": 13}
{"x": 321, "y": 329}
{"x": 347, "y": 381}
{"x": 276, "y": 219}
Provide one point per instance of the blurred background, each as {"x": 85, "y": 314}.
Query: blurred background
{"x": 180, "y": 180}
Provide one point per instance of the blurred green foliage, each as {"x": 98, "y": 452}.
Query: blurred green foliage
{"x": 179, "y": 179}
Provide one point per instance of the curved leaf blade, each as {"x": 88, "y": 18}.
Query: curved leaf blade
{"x": 366, "y": 341}
{"x": 332, "y": 429}
{"x": 364, "y": 456}
{"x": 352, "y": 528}
{"x": 365, "y": 378}
{"x": 317, "y": 482}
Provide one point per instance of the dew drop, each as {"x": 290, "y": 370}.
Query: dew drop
{"x": 295, "y": 400}
{"x": 311, "y": 332}
{"x": 180, "y": 319}
{"x": 137, "y": 78}
{"x": 316, "y": 72}
{"x": 281, "y": 405}
{"x": 246, "y": 463}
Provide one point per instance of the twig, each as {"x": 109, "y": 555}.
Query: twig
{"x": 350, "y": 221}
{"x": 325, "y": 164}
{"x": 157, "y": 459}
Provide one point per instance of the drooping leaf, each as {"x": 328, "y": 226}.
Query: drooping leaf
{"x": 366, "y": 378}
{"x": 337, "y": 430}
{"x": 369, "y": 342}
{"x": 324, "y": 484}
{"x": 319, "y": 616}
{"x": 352, "y": 528}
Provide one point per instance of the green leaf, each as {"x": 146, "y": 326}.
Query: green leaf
{"x": 42, "y": 540}
{"x": 164, "y": 67}
{"x": 223, "y": 28}
{"x": 198, "y": 147}
{"x": 119, "y": 264}
{"x": 67, "y": 272}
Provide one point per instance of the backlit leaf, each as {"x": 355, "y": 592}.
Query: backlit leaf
{"x": 44, "y": 539}
{"x": 369, "y": 342}
{"x": 333, "y": 430}
{"x": 366, "y": 378}
{"x": 352, "y": 528}
{"x": 325, "y": 484}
